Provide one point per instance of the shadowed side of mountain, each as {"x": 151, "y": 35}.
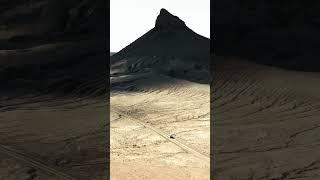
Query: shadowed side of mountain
{"x": 170, "y": 48}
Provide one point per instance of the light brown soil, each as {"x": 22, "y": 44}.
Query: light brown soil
{"x": 160, "y": 130}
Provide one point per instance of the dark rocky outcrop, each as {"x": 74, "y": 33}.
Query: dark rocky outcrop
{"x": 166, "y": 21}
{"x": 281, "y": 33}
{"x": 170, "y": 47}
{"x": 169, "y": 37}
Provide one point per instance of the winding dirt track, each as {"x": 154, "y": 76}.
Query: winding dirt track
{"x": 31, "y": 162}
{"x": 265, "y": 122}
{"x": 188, "y": 149}
{"x": 161, "y": 124}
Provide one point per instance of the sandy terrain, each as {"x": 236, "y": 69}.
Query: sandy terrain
{"x": 265, "y": 122}
{"x": 160, "y": 129}
{"x": 11, "y": 169}
{"x": 54, "y": 112}
{"x": 61, "y": 138}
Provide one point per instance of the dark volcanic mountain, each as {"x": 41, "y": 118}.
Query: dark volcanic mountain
{"x": 170, "y": 48}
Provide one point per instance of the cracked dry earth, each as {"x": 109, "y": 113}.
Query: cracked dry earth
{"x": 266, "y": 122}
{"x": 160, "y": 129}
{"x": 55, "y": 138}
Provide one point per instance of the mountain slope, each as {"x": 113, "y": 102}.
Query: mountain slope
{"x": 170, "y": 48}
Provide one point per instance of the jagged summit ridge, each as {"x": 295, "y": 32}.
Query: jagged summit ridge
{"x": 166, "y": 20}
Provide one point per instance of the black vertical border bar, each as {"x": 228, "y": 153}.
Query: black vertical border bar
{"x": 106, "y": 38}
{"x": 212, "y": 43}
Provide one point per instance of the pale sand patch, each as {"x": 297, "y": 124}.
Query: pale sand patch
{"x": 178, "y": 109}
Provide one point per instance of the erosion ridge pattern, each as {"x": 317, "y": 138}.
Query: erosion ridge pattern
{"x": 265, "y": 122}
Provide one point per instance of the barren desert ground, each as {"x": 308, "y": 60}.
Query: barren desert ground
{"x": 160, "y": 129}
{"x": 47, "y": 137}
{"x": 265, "y": 122}
{"x": 53, "y": 112}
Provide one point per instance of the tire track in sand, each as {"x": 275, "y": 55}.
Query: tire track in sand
{"x": 34, "y": 163}
{"x": 178, "y": 143}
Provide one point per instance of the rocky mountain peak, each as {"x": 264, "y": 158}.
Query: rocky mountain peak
{"x": 166, "y": 20}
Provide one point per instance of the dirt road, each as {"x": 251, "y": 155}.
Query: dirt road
{"x": 160, "y": 132}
